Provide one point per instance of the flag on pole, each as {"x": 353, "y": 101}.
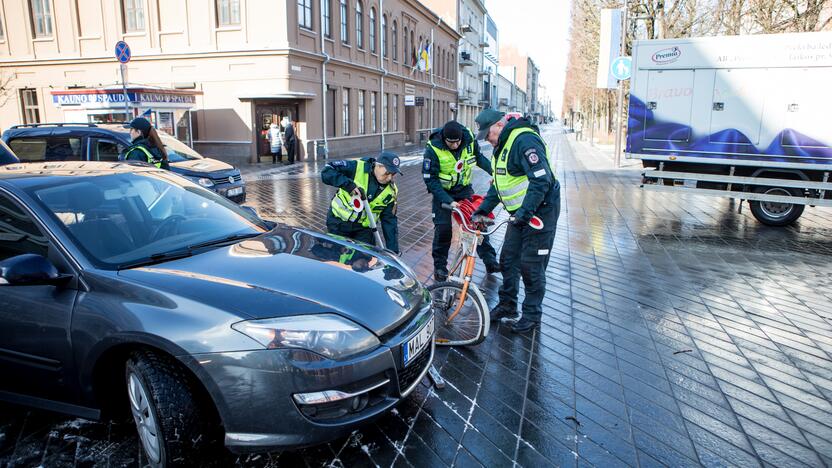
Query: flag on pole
{"x": 424, "y": 58}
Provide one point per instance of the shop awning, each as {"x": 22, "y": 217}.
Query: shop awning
{"x": 278, "y": 95}
{"x": 114, "y": 97}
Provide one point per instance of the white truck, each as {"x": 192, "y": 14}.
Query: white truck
{"x": 745, "y": 117}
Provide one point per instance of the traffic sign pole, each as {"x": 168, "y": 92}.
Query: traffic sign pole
{"x": 123, "y": 56}
{"x": 619, "y": 117}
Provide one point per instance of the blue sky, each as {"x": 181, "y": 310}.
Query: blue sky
{"x": 541, "y": 29}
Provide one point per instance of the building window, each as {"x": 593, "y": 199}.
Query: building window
{"x": 373, "y": 125}
{"x": 396, "y": 112}
{"x": 327, "y": 5}
{"x": 345, "y": 111}
{"x": 373, "y": 30}
{"x": 384, "y": 35}
{"x": 404, "y": 49}
{"x": 228, "y": 13}
{"x": 384, "y": 98}
{"x": 132, "y": 13}
{"x": 41, "y": 14}
{"x": 305, "y": 13}
{"x": 29, "y": 106}
{"x": 362, "y": 129}
{"x": 359, "y": 25}
{"x": 395, "y": 41}
{"x": 345, "y": 32}
{"x": 2, "y": 32}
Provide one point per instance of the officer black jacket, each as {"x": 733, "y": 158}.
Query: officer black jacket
{"x": 341, "y": 174}
{"x": 140, "y": 156}
{"x": 430, "y": 166}
{"x": 544, "y": 190}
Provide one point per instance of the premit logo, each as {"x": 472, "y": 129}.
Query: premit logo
{"x": 667, "y": 55}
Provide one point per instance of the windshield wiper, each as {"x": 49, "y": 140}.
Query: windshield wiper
{"x": 183, "y": 253}
{"x": 223, "y": 240}
{"x": 157, "y": 258}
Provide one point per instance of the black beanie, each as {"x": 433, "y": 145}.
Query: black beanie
{"x": 452, "y": 130}
{"x": 141, "y": 124}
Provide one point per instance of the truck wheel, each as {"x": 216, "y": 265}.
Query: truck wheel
{"x": 173, "y": 426}
{"x": 776, "y": 213}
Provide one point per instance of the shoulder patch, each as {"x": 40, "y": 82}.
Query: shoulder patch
{"x": 532, "y": 156}
{"x": 339, "y": 163}
{"x": 426, "y": 165}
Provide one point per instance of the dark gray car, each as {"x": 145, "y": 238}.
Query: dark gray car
{"x": 124, "y": 286}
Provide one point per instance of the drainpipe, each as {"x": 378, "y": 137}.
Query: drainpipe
{"x": 383, "y": 70}
{"x": 323, "y": 78}
{"x": 432, "y": 78}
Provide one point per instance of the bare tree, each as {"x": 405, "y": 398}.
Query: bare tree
{"x": 6, "y": 89}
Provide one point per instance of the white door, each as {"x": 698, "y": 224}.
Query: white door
{"x": 737, "y": 106}
{"x": 669, "y": 101}
{"x": 807, "y": 121}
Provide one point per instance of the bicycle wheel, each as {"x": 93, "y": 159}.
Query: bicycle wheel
{"x": 467, "y": 326}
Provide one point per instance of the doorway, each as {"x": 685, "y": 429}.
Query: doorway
{"x": 267, "y": 113}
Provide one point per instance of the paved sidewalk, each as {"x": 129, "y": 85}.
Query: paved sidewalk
{"x": 676, "y": 332}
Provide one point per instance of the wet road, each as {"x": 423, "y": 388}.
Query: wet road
{"x": 676, "y": 332}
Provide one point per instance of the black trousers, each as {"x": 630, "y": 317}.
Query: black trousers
{"x": 290, "y": 151}
{"x": 443, "y": 234}
{"x": 525, "y": 255}
{"x": 351, "y": 230}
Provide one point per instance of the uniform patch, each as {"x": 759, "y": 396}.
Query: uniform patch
{"x": 338, "y": 163}
{"x": 540, "y": 173}
{"x": 396, "y": 162}
{"x": 532, "y": 156}
{"x": 426, "y": 165}
{"x": 543, "y": 251}
{"x": 426, "y": 176}
{"x": 501, "y": 170}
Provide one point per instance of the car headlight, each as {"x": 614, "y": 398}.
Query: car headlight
{"x": 202, "y": 181}
{"x": 329, "y": 335}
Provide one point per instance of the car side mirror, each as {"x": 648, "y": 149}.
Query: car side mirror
{"x": 30, "y": 270}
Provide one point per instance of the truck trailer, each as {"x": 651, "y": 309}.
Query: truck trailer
{"x": 744, "y": 117}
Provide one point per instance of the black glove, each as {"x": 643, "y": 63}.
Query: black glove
{"x": 360, "y": 192}
{"x": 519, "y": 222}
{"x": 478, "y": 218}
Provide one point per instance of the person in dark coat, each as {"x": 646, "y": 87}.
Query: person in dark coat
{"x": 146, "y": 145}
{"x": 290, "y": 140}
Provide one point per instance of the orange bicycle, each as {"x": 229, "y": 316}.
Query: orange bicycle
{"x": 462, "y": 316}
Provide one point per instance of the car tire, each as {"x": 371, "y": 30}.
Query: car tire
{"x": 174, "y": 426}
{"x": 776, "y": 214}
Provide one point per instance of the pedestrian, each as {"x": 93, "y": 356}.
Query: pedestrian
{"x": 526, "y": 186}
{"x": 371, "y": 179}
{"x": 146, "y": 145}
{"x": 579, "y": 127}
{"x": 450, "y": 156}
{"x": 290, "y": 139}
{"x": 275, "y": 142}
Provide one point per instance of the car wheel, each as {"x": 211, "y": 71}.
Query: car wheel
{"x": 173, "y": 426}
{"x": 776, "y": 213}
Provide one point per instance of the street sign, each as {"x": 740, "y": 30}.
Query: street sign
{"x": 122, "y": 52}
{"x": 621, "y": 68}
{"x": 409, "y": 100}
{"x": 419, "y": 101}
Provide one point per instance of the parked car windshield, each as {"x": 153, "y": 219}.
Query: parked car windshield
{"x": 6, "y": 154}
{"x": 178, "y": 151}
{"x": 127, "y": 219}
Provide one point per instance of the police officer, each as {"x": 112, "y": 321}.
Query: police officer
{"x": 368, "y": 178}
{"x": 450, "y": 155}
{"x": 146, "y": 145}
{"x": 525, "y": 184}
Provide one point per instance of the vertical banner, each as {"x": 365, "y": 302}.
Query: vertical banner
{"x": 609, "y": 47}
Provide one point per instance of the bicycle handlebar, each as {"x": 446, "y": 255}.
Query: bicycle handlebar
{"x": 471, "y": 229}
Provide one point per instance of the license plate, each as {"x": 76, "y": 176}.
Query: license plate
{"x": 234, "y": 192}
{"x": 418, "y": 343}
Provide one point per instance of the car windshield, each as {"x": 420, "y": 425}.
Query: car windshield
{"x": 178, "y": 151}
{"x": 6, "y": 155}
{"x": 127, "y": 219}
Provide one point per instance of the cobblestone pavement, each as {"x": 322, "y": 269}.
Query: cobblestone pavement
{"x": 676, "y": 332}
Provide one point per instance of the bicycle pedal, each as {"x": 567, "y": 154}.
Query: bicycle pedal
{"x": 437, "y": 379}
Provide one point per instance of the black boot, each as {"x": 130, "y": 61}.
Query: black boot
{"x": 523, "y": 325}
{"x": 440, "y": 275}
{"x": 498, "y": 313}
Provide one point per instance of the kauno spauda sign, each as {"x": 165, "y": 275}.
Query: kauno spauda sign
{"x": 118, "y": 97}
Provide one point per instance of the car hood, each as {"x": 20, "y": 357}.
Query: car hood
{"x": 289, "y": 271}
{"x": 197, "y": 166}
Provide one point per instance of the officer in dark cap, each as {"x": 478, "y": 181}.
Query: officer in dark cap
{"x": 526, "y": 186}
{"x": 146, "y": 145}
{"x": 370, "y": 179}
{"x": 450, "y": 156}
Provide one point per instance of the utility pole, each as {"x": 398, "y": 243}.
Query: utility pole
{"x": 619, "y": 118}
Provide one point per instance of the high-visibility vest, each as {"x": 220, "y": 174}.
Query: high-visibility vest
{"x": 150, "y": 159}
{"x": 512, "y": 189}
{"x": 341, "y": 205}
{"x": 449, "y": 177}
